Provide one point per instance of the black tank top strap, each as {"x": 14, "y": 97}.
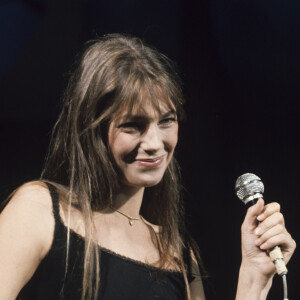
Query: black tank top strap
{"x": 54, "y": 197}
{"x": 60, "y": 229}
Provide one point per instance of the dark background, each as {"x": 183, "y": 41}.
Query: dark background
{"x": 239, "y": 61}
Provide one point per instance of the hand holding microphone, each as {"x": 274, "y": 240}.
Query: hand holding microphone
{"x": 263, "y": 232}
{"x": 249, "y": 188}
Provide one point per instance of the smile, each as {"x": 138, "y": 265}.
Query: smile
{"x": 150, "y": 162}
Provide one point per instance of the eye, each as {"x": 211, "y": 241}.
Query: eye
{"x": 167, "y": 121}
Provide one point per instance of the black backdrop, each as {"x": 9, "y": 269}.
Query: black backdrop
{"x": 239, "y": 61}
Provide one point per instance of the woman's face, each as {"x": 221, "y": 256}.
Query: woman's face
{"x": 142, "y": 144}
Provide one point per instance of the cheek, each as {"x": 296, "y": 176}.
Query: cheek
{"x": 120, "y": 145}
{"x": 172, "y": 137}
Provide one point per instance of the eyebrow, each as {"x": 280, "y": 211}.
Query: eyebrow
{"x": 169, "y": 113}
{"x": 143, "y": 117}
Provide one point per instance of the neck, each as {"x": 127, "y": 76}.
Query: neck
{"x": 129, "y": 201}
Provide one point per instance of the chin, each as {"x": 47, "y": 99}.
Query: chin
{"x": 148, "y": 182}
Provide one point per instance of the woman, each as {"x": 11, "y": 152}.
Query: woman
{"x": 106, "y": 220}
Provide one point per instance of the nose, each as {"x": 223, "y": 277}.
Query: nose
{"x": 152, "y": 139}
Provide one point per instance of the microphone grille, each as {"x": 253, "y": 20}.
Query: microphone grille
{"x": 249, "y": 187}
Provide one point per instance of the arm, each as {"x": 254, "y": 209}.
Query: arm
{"x": 26, "y": 230}
{"x": 257, "y": 269}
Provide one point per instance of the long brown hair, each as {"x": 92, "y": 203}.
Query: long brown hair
{"x": 114, "y": 73}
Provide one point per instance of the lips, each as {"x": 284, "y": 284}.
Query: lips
{"x": 150, "y": 162}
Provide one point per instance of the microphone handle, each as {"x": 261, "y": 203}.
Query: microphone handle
{"x": 277, "y": 258}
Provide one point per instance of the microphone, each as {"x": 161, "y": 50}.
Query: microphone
{"x": 249, "y": 188}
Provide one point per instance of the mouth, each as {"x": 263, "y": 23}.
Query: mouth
{"x": 150, "y": 162}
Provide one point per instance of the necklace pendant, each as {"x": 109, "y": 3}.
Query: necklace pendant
{"x": 130, "y": 222}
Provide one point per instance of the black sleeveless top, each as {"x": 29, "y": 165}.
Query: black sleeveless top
{"x": 120, "y": 277}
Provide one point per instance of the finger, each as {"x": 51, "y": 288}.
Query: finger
{"x": 269, "y": 209}
{"x": 276, "y": 230}
{"x": 250, "y": 221}
{"x": 267, "y": 224}
{"x": 281, "y": 239}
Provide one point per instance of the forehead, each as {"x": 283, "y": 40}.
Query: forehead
{"x": 147, "y": 101}
{"x": 146, "y": 110}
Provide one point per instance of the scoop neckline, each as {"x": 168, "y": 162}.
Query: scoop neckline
{"x": 125, "y": 258}
{"x": 118, "y": 255}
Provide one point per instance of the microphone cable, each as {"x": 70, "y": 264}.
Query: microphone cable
{"x": 285, "y": 288}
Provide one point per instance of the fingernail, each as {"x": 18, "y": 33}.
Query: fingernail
{"x": 257, "y": 242}
{"x": 263, "y": 246}
{"x": 260, "y": 217}
{"x": 258, "y": 231}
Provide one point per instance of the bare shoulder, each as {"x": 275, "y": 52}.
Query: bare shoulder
{"x": 26, "y": 226}
{"x": 31, "y": 208}
{"x": 32, "y": 192}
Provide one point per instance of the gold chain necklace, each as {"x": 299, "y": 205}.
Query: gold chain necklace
{"x": 130, "y": 219}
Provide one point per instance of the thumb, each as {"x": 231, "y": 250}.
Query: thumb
{"x": 250, "y": 220}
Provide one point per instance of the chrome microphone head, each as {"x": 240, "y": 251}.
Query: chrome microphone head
{"x": 249, "y": 187}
